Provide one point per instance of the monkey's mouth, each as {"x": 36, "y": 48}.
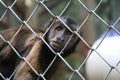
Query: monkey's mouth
{"x": 56, "y": 46}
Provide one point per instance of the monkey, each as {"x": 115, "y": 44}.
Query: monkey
{"x": 36, "y": 52}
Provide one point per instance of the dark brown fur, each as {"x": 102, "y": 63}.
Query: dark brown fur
{"x": 35, "y": 51}
{"x": 23, "y": 43}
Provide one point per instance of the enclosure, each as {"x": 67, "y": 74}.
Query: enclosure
{"x": 94, "y": 17}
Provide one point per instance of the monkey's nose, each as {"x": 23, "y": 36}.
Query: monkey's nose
{"x": 60, "y": 39}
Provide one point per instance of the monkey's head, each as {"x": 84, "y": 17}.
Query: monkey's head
{"x": 58, "y": 35}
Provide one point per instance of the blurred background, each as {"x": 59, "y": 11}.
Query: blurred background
{"x": 108, "y": 10}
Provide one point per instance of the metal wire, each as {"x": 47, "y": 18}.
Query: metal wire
{"x": 74, "y": 71}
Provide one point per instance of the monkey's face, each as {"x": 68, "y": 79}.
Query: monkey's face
{"x": 58, "y": 37}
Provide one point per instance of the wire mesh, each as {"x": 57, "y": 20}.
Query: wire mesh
{"x": 49, "y": 11}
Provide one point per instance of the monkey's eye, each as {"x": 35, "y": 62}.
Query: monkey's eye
{"x": 59, "y": 28}
{"x": 68, "y": 33}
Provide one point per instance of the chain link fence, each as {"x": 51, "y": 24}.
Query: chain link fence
{"x": 90, "y": 12}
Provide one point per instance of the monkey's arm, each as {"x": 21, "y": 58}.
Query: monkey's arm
{"x": 7, "y": 34}
{"x": 21, "y": 41}
{"x": 24, "y": 71}
{"x": 5, "y": 49}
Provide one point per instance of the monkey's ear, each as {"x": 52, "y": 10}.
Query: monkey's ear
{"x": 45, "y": 27}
